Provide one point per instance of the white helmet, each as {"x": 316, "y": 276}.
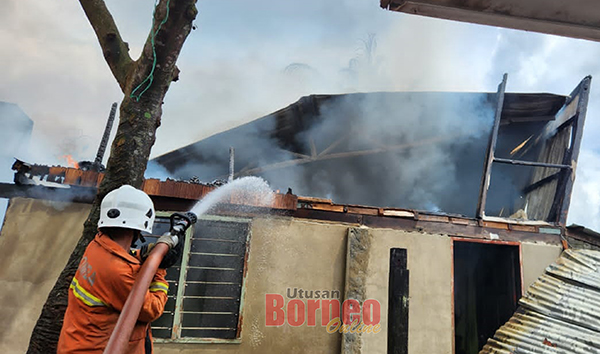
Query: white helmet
{"x": 128, "y": 208}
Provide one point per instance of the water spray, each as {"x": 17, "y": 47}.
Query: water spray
{"x": 251, "y": 190}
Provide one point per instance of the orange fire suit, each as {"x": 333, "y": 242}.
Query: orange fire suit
{"x": 96, "y": 297}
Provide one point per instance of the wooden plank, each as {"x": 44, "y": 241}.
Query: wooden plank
{"x": 328, "y": 207}
{"x": 531, "y": 163}
{"x": 314, "y": 200}
{"x": 584, "y": 93}
{"x": 541, "y": 183}
{"x": 433, "y": 218}
{"x": 398, "y": 300}
{"x": 462, "y": 221}
{"x": 360, "y": 210}
{"x": 151, "y": 186}
{"x": 285, "y": 201}
{"x": 526, "y": 228}
{"x": 398, "y": 213}
{"x": 527, "y": 119}
{"x": 494, "y": 225}
{"x": 564, "y": 115}
{"x": 487, "y": 168}
{"x": 73, "y": 176}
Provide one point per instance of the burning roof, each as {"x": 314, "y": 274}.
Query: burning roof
{"x": 423, "y": 151}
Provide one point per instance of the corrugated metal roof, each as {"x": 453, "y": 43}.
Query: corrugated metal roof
{"x": 559, "y": 313}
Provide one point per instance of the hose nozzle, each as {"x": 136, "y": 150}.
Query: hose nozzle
{"x": 180, "y": 222}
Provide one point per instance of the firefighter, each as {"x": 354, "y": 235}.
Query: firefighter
{"x": 106, "y": 275}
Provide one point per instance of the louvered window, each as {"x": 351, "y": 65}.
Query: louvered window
{"x": 205, "y": 288}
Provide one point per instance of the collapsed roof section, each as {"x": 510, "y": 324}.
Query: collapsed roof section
{"x": 500, "y": 154}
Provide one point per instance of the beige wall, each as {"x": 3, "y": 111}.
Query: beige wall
{"x": 536, "y": 257}
{"x": 38, "y": 237}
{"x": 430, "y": 290}
{"x": 430, "y": 263}
{"x": 284, "y": 252}
{"x": 36, "y": 241}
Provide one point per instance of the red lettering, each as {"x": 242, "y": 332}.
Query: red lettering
{"x": 313, "y": 305}
{"x": 350, "y": 311}
{"x": 371, "y": 312}
{"x": 295, "y": 313}
{"x": 274, "y": 314}
{"x": 326, "y": 316}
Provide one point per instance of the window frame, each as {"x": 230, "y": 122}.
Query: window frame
{"x": 177, "y": 315}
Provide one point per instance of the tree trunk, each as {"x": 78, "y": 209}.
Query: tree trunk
{"x": 135, "y": 136}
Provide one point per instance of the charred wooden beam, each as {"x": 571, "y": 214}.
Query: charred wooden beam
{"x": 487, "y": 167}
{"x": 105, "y": 136}
{"x": 532, "y": 119}
{"x": 563, "y": 193}
{"x": 531, "y": 163}
{"x": 541, "y": 182}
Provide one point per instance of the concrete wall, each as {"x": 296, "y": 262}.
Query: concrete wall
{"x": 536, "y": 257}
{"x": 430, "y": 290}
{"x": 430, "y": 263}
{"x": 284, "y": 253}
{"x": 35, "y": 244}
{"x": 38, "y": 238}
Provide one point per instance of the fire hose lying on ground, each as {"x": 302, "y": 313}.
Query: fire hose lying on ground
{"x": 121, "y": 334}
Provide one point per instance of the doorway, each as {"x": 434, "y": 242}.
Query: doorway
{"x": 487, "y": 288}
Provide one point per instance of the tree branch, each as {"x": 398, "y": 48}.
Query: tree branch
{"x": 168, "y": 41}
{"x": 114, "y": 49}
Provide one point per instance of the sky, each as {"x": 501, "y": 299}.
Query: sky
{"x": 249, "y": 58}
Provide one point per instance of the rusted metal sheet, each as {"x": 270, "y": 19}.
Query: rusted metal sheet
{"x": 559, "y": 312}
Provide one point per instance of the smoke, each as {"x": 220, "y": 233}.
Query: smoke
{"x": 412, "y": 150}
{"x": 154, "y": 170}
{"x": 234, "y": 65}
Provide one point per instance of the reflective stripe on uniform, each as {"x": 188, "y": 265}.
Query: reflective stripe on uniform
{"x": 159, "y": 286}
{"x": 84, "y": 295}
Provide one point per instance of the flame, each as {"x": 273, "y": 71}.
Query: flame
{"x": 520, "y": 146}
{"x": 71, "y": 161}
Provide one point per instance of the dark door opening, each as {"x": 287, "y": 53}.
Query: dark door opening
{"x": 398, "y": 303}
{"x": 487, "y": 288}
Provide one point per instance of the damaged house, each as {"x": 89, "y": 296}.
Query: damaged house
{"x": 435, "y": 211}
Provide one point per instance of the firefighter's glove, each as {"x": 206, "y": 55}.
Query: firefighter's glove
{"x": 169, "y": 239}
{"x": 172, "y": 257}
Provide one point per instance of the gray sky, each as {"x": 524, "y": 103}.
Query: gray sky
{"x": 232, "y": 69}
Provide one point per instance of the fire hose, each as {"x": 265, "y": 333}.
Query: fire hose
{"x": 119, "y": 339}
